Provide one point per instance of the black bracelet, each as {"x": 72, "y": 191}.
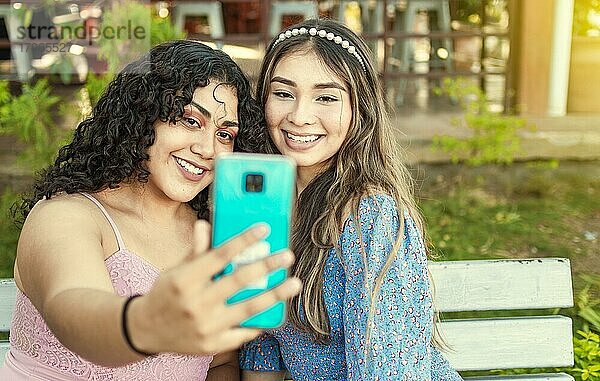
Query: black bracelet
{"x": 126, "y": 330}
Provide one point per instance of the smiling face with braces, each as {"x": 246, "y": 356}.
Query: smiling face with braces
{"x": 308, "y": 113}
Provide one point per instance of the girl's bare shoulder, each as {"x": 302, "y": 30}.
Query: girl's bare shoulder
{"x": 65, "y": 211}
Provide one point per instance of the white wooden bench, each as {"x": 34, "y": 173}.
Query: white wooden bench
{"x": 507, "y": 342}
{"x": 476, "y": 343}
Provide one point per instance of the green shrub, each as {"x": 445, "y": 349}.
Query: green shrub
{"x": 119, "y": 51}
{"x": 94, "y": 87}
{"x": 494, "y": 138}
{"x": 586, "y": 348}
{"x": 9, "y": 234}
{"x": 31, "y": 118}
{"x": 586, "y": 342}
{"x": 587, "y": 305}
{"x": 161, "y": 30}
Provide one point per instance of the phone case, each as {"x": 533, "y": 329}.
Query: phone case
{"x": 237, "y": 206}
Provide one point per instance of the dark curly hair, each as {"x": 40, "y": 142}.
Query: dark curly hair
{"x": 111, "y": 146}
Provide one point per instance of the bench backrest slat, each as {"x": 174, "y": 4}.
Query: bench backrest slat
{"x": 502, "y": 284}
{"x": 523, "y": 342}
{"x": 4, "y": 347}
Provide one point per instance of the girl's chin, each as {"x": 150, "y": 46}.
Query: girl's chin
{"x": 187, "y": 195}
{"x": 310, "y": 158}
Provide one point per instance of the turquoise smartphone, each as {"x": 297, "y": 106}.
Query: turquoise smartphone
{"x": 250, "y": 189}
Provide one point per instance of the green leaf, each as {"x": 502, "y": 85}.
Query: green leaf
{"x": 27, "y": 17}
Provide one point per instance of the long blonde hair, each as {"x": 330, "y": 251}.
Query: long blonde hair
{"x": 367, "y": 162}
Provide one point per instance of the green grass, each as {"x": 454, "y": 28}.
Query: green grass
{"x": 514, "y": 212}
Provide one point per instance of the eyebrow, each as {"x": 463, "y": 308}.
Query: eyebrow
{"x": 202, "y": 110}
{"x": 326, "y": 85}
{"x": 208, "y": 115}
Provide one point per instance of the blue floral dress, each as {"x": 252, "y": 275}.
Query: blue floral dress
{"x": 400, "y": 341}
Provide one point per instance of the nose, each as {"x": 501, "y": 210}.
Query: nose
{"x": 204, "y": 146}
{"x": 301, "y": 113}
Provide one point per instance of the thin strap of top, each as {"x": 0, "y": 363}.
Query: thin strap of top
{"x": 110, "y": 220}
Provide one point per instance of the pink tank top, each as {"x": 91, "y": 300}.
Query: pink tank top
{"x": 35, "y": 353}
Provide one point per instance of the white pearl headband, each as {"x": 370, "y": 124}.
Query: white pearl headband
{"x": 323, "y": 34}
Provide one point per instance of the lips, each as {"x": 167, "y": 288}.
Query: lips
{"x": 190, "y": 170}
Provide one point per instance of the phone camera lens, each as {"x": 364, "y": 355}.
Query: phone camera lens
{"x": 254, "y": 183}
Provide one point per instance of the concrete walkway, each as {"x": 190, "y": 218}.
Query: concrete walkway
{"x": 573, "y": 137}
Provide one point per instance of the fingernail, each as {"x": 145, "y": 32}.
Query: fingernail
{"x": 295, "y": 284}
{"x": 261, "y": 230}
{"x": 285, "y": 259}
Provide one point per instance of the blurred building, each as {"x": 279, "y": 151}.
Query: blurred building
{"x": 536, "y": 57}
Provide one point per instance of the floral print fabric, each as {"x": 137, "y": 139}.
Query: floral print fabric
{"x": 399, "y": 343}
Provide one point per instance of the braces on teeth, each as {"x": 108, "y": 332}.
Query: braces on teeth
{"x": 303, "y": 139}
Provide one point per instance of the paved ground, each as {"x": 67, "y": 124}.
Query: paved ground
{"x": 574, "y": 137}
